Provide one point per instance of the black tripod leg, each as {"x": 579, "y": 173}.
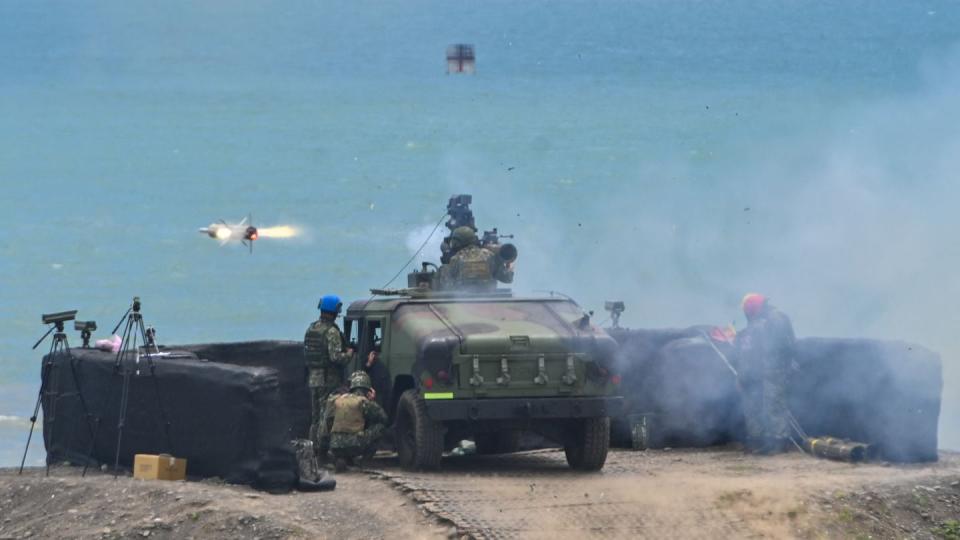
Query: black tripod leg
{"x": 107, "y": 398}
{"x": 163, "y": 414}
{"x": 93, "y": 443}
{"x": 124, "y": 351}
{"x": 57, "y": 347}
{"x": 83, "y": 407}
{"x": 156, "y": 388}
{"x": 53, "y": 390}
{"x": 36, "y": 409}
{"x": 124, "y": 394}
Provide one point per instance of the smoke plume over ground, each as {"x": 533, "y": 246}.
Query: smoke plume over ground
{"x": 847, "y": 222}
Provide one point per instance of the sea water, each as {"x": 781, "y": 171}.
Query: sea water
{"x": 672, "y": 154}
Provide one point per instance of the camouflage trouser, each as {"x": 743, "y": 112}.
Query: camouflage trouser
{"x": 765, "y": 410}
{"x": 320, "y": 389}
{"x": 349, "y": 445}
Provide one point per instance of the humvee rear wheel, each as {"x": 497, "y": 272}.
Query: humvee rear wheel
{"x": 587, "y": 443}
{"x": 500, "y": 442}
{"x": 419, "y": 439}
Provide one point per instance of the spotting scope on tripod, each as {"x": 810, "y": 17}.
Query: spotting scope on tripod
{"x": 49, "y": 376}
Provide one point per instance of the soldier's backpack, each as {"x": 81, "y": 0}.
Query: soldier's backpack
{"x": 311, "y": 477}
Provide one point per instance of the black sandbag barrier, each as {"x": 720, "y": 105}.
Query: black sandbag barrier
{"x": 883, "y": 393}
{"x": 640, "y": 345}
{"x": 679, "y": 383}
{"x": 226, "y": 420}
{"x": 285, "y": 357}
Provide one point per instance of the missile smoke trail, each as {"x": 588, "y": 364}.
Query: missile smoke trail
{"x": 280, "y": 231}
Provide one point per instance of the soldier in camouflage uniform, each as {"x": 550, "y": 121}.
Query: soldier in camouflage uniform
{"x": 353, "y": 422}
{"x": 326, "y": 358}
{"x": 473, "y": 267}
{"x": 766, "y": 357}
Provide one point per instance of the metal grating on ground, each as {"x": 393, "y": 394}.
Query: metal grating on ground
{"x": 535, "y": 495}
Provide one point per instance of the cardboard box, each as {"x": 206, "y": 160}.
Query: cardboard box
{"x": 159, "y": 467}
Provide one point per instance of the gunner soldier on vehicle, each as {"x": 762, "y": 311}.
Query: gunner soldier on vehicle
{"x": 353, "y": 422}
{"x": 766, "y": 356}
{"x": 472, "y": 266}
{"x": 326, "y": 357}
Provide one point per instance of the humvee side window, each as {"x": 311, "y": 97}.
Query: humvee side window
{"x": 351, "y": 330}
{"x": 372, "y": 341}
{"x": 372, "y": 337}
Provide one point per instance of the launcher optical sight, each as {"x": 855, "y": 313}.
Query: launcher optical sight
{"x": 61, "y": 317}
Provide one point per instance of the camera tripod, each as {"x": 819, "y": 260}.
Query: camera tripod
{"x": 133, "y": 330}
{"x": 51, "y": 388}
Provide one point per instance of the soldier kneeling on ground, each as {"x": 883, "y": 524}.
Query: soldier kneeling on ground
{"x": 353, "y": 423}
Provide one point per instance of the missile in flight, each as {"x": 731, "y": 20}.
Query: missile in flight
{"x": 243, "y": 232}
{"x": 246, "y": 233}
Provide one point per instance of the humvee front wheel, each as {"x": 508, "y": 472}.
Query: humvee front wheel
{"x": 419, "y": 439}
{"x": 587, "y": 443}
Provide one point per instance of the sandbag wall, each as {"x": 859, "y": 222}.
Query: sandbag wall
{"x": 226, "y": 420}
{"x": 680, "y": 383}
{"x": 284, "y": 357}
{"x": 885, "y": 393}
{"x": 880, "y": 392}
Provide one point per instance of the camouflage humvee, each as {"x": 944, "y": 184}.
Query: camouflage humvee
{"x": 489, "y": 367}
{"x": 455, "y": 365}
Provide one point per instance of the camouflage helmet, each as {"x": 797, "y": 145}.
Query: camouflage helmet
{"x": 462, "y": 237}
{"x": 359, "y": 379}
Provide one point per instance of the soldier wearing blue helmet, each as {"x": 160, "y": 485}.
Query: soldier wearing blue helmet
{"x": 326, "y": 357}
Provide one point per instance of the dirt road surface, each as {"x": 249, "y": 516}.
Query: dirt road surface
{"x": 713, "y": 493}
{"x": 68, "y": 506}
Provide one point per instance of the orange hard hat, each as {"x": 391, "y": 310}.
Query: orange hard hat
{"x": 752, "y": 304}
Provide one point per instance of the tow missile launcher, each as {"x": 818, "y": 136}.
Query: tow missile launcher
{"x": 431, "y": 276}
{"x": 460, "y": 364}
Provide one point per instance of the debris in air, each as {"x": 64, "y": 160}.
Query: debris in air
{"x": 245, "y": 233}
{"x": 461, "y": 58}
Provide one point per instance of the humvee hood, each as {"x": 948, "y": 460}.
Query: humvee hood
{"x": 504, "y": 327}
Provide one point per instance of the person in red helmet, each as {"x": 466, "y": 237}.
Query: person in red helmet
{"x": 765, "y": 358}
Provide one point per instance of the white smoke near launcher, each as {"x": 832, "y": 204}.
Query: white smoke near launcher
{"x": 849, "y": 225}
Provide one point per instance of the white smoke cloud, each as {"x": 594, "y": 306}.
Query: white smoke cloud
{"x": 420, "y": 239}
{"x": 849, "y": 225}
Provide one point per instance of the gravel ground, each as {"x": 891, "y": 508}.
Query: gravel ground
{"x": 708, "y": 493}
{"x": 65, "y": 505}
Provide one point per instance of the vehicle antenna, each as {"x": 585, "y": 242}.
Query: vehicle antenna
{"x": 557, "y": 293}
{"x": 414, "y": 256}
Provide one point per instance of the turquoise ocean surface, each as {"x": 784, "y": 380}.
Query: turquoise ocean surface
{"x": 673, "y": 154}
